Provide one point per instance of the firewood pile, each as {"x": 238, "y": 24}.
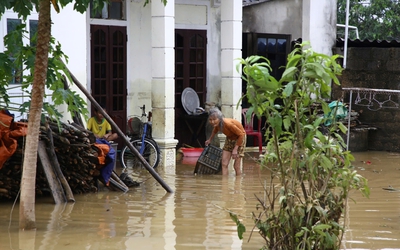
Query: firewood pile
{"x": 73, "y": 152}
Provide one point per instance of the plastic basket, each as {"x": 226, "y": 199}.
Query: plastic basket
{"x": 209, "y": 161}
{"x": 135, "y": 126}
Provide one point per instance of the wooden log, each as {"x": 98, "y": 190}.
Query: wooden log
{"x": 78, "y": 131}
{"x": 57, "y": 168}
{"x": 55, "y": 185}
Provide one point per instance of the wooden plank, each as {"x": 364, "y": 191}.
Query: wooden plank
{"x": 56, "y": 166}
{"x": 55, "y": 185}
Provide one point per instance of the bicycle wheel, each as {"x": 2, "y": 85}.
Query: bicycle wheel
{"x": 151, "y": 154}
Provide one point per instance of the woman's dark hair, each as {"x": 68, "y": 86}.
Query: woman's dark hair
{"x": 215, "y": 112}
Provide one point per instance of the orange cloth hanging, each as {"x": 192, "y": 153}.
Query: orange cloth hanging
{"x": 9, "y": 132}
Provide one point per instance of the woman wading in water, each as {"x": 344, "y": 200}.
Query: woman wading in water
{"x": 235, "y": 139}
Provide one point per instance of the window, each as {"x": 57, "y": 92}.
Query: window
{"x": 12, "y": 25}
{"x": 113, "y": 10}
{"x": 275, "y": 47}
{"x": 33, "y": 25}
{"x": 276, "y": 50}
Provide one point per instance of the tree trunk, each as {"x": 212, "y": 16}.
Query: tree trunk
{"x": 27, "y": 218}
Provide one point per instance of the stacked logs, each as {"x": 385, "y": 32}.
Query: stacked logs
{"x": 74, "y": 152}
{"x": 76, "y": 155}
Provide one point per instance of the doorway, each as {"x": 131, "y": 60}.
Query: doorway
{"x": 108, "y": 71}
{"x": 190, "y": 71}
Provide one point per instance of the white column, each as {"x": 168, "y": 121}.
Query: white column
{"x": 163, "y": 85}
{"x": 231, "y": 49}
{"x": 319, "y": 28}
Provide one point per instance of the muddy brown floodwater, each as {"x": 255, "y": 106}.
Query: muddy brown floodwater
{"x": 196, "y": 215}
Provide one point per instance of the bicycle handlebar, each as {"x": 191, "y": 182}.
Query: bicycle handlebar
{"x": 143, "y": 108}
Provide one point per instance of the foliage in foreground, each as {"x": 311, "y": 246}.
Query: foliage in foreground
{"x": 311, "y": 174}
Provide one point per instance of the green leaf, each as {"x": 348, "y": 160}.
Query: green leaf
{"x": 276, "y": 123}
{"x": 325, "y": 107}
{"x": 342, "y": 128}
{"x": 288, "y": 74}
{"x": 321, "y": 227}
{"x": 288, "y": 89}
{"x": 308, "y": 141}
{"x": 241, "y": 229}
{"x": 293, "y": 60}
{"x": 287, "y": 122}
{"x": 326, "y": 162}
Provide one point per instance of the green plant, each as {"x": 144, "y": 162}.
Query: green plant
{"x": 311, "y": 173}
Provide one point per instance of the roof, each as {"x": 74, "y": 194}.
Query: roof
{"x": 253, "y": 2}
{"x": 368, "y": 43}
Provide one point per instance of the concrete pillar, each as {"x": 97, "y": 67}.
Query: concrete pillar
{"x": 163, "y": 85}
{"x": 231, "y": 49}
{"x": 319, "y": 24}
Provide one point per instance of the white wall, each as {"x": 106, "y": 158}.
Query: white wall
{"x": 319, "y": 24}
{"x": 139, "y": 58}
{"x": 275, "y": 17}
{"x": 69, "y": 29}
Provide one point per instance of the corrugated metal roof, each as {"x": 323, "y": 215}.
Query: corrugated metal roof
{"x": 368, "y": 43}
{"x": 252, "y": 2}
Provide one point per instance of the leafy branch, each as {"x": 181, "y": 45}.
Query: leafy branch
{"x": 311, "y": 174}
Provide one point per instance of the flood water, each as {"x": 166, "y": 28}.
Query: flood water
{"x": 196, "y": 215}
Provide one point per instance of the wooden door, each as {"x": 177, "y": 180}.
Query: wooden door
{"x": 190, "y": 71}
{"x": 108, "y": 71}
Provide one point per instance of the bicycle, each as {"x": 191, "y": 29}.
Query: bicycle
{"x": 141, "y": 138}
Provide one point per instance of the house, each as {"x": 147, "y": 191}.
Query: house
{"x": 131, "y": 54}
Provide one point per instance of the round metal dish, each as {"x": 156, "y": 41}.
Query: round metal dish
{"x": 190, "y": 100}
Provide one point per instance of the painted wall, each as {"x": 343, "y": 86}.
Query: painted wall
{"x": 275, "y": 17}
{"x": 139, "y": 58}
{"x": 311, "y": 20}
{"x": 68, "y": 34}
{"x": 319, "y": 24}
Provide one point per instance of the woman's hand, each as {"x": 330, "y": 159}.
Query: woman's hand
{"x": 207, "y": 142}
{"x": 235, "y": 153}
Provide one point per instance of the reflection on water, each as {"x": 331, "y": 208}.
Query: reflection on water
{"x": 196, "y": 215}
{"x": 374, "y": 223}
